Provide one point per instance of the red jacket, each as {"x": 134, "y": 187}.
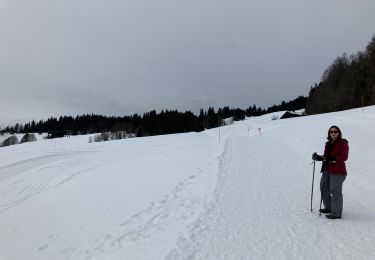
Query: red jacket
{"x": 337, "y": 153}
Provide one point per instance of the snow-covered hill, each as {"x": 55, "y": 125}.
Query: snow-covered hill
{"x": 244, "y": 195}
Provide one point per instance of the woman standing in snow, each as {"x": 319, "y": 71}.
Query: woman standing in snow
{"x": 333, "y": 172}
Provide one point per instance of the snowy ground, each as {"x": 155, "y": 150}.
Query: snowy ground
{"x": 189, "y": 196}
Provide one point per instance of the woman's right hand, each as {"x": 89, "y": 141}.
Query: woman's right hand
{"x": 316, "y": 157}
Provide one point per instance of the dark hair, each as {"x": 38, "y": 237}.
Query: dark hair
{"x": 338, "y": 130}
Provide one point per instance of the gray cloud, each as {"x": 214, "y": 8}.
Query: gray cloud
{"x": 123, "y": 57}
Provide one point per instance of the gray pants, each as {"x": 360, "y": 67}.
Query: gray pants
{"x": 331, "y": 189}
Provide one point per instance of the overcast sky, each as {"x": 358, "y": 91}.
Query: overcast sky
{"x": 119, "y": 57}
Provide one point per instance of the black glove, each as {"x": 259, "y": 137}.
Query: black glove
{"x": 316, "y": 157}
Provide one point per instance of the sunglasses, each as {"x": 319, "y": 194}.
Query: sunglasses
{"x": 333, "y": 132}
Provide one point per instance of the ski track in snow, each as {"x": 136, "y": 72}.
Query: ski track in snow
{"x": 179, "y": 206}
{"x": 37, "y": 175}
{"x": 157, "y": 216}
{"x": 187, "y": 246}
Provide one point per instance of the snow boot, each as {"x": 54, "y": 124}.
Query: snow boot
{"x": 332, "y": 216}
{"x": 325, "y": 211}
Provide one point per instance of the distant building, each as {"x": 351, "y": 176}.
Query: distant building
{"x": 290, "y": 114}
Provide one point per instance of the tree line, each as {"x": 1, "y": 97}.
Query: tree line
{"x": 349, "y": 82}
{"x": 150, "y": 123}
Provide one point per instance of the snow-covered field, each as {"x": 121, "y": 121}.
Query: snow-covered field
{"x": 189, "y": 196}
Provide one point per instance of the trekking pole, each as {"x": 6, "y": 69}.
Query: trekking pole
{"x": 321, "y": 193}
{"x": 312, "y": 186}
